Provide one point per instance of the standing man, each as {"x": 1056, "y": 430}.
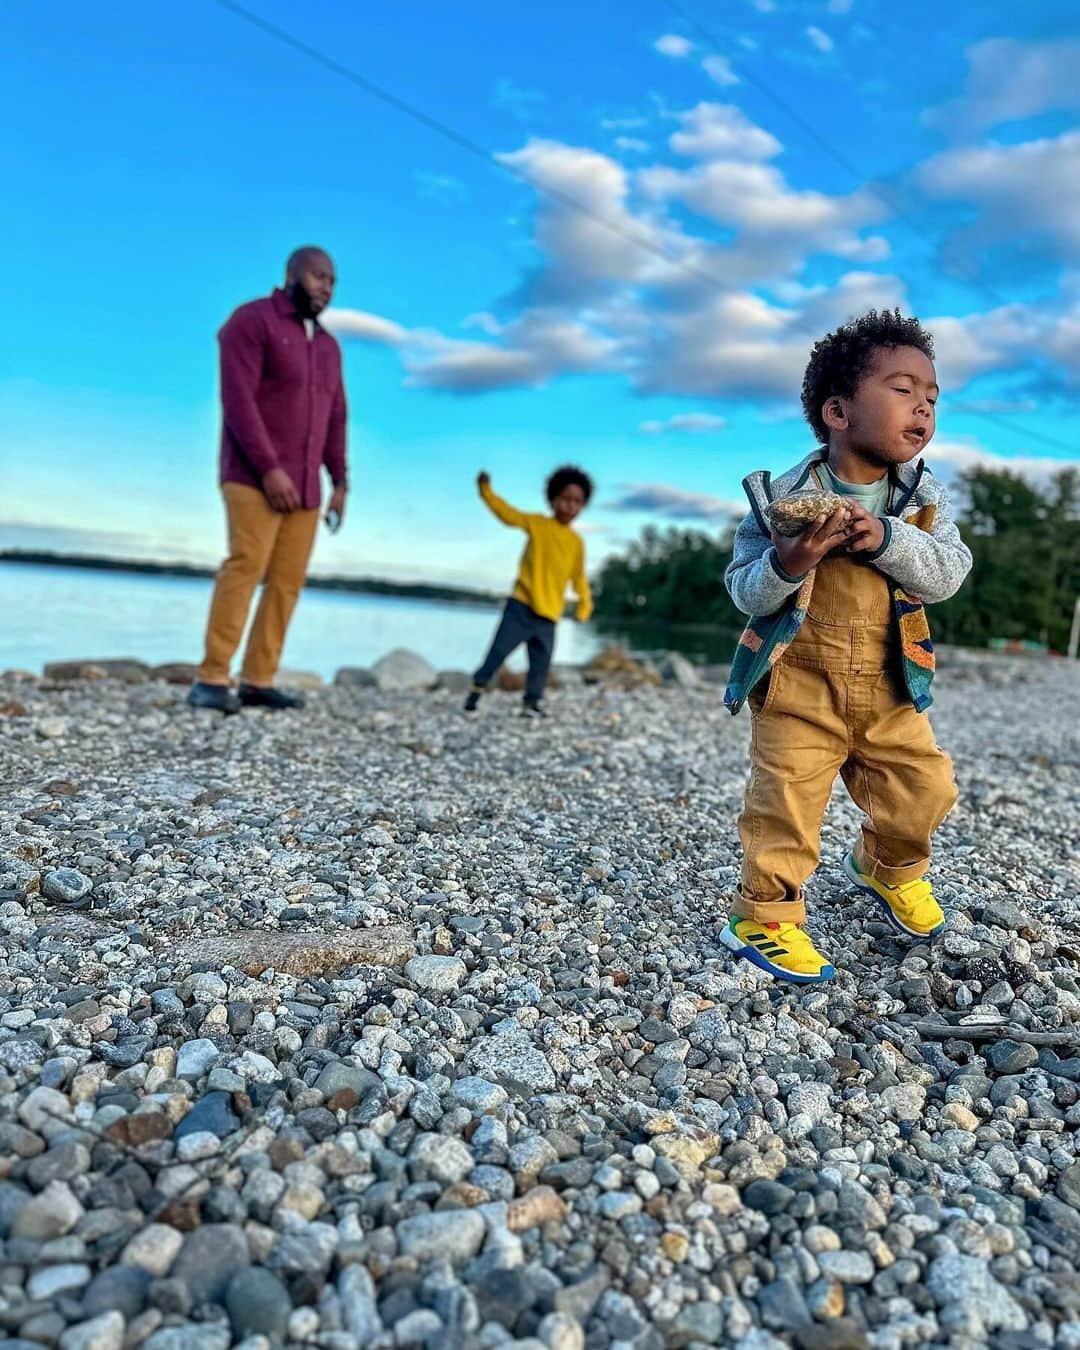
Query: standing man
{"x": 283, "y": 419}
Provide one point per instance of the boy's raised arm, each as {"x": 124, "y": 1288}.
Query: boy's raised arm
{"x": 509, "y": 515}
{"x": 930, "y": 564}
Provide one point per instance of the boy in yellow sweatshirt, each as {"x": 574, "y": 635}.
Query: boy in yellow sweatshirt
{"x": 554, "y": 555}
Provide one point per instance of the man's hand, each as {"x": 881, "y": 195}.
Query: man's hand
{"x": 483, "y": 479}
{"x": 280, "y": 492}
{"x": 801, "y": 553}
{"x": 337, "y": 503}
{"x": 867, "y": 532}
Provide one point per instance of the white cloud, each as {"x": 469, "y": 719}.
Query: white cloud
{"x": 979, "y": 343}
{"x": 660, "y": 499}
{"x": 722, "y": 131}
{"x": 734, "y": 344}
{"x": 624, "y": 123}
{"x": 520, "y": 103}
{"x": 840, "y": 6}
{"x": 532, "y": 351}
{"x": 673, "y": 45}
{"x": 1063, "y": 342}
{"x": 756, "y": 197}
{"x": 1028, "y": 189}
{"x": 357, "y": 323}
{"x": 823, "y": 308}
{"x": 472, "y": 368}
{"x": 821, "y": 40}
{"x": 718, "y": 68}
{"x": 487, "y": 323}
{"x": 1007, "y": 338}
{"x": 1009, "y": 80}
{"x": 950, "y": 458}
{"x": 693, "y": 422}
{"x": 583, "y": 253}
{"x": 439, "y": 187}
{"x": 628, "y": 286}
{"x": 631, "y": 144}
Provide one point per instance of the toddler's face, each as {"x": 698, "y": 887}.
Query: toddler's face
{"x": 891, "y": 418}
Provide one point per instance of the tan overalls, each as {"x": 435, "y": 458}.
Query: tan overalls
{"x": 835, "y": 702}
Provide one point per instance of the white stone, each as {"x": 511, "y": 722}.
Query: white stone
{"x": 153, "y": 1249}
{"x": 809, "y": 1099}
{"x": 198, "y": 1144}
{"x": 43, "y": 1107}
{"x": 436, "y": 974}
{"x": 51, "y": 1213}
{"x": 402, "y": 670}
{"x": 99, "y": 1333}
{"x": 51, "y": 1281}
{"x": 196, "y": 1058}
{"x": 256, "y": 1068}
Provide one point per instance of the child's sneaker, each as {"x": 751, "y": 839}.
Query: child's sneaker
{"x": 782, "y": 949}
{"x": 910, "y": 907}
{"x": 472, "y": 700}
{"x": 531, "y": 708}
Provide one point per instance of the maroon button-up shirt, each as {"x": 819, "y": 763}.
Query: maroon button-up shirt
{"x": 282, "y": 398}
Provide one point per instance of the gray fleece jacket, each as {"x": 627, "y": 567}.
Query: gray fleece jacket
{"x": 929, "y": 564}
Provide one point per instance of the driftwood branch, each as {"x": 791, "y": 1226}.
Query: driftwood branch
{"x": 992, "y": 1031}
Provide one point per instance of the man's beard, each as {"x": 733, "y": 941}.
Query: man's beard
{"x": 305, "y": 306}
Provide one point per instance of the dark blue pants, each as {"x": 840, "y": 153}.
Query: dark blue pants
{"x": 521, "y": 624}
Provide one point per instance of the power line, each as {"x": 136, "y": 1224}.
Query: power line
{"x": 894, "y": 203}
{"x": 479, "y": 151}
{"x": 464, "y": 142}
{"x": 886, "y": 196}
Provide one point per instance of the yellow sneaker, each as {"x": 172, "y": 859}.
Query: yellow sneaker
{"x": 910, "y": 907}
{"x": 782, "y": 949}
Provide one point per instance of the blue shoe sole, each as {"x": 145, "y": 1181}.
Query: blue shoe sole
{"x": 855, "y": 877}
{"x": 751, "y": 954}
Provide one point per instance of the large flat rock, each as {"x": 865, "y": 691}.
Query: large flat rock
{"x": 301, "y": 954}
{"x": 125, "y": 669}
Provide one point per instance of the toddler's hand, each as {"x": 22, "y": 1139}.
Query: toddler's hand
{"x": 801, "y": 553}
{"x": 867, "y": 532}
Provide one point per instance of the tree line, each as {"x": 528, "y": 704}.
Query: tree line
{"x": 1025, "y": 576}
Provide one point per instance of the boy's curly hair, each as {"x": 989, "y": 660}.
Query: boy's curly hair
{"x": 840, "y": 359}
{"x": 565, "y": 476}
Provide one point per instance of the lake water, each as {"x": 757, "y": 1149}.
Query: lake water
{"x": 72, "y": 613}
{"x": 61, "y": 613}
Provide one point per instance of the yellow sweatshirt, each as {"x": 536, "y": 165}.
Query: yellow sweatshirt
{"x": 554, "y": 555}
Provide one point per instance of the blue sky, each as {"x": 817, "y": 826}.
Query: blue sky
{"x": 750, "y": 176}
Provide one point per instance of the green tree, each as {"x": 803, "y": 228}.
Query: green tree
{"x": 673, "y": 577}
{"x": 1025, "y": 548}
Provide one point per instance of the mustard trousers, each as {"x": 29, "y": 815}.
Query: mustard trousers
{"x": 835, "y": 704}
{"x": 266, "y": 546}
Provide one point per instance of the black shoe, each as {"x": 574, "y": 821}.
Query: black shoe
{"x": 472, "y": 700}
{"x": 531, "y": 708}
{"x": 277, "y": 700}
{"x": 216, "y": 697}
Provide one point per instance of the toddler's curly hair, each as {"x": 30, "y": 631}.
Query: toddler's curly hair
{"x": 840, "y": 359}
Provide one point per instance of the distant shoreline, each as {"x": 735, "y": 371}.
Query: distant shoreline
{"x": 401, "y": 590}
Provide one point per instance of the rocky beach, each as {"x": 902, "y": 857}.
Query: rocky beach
{"x": 380, "y": 1027}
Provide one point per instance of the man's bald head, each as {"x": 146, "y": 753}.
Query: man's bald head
{"x": 299, "y": 258}
{"x": 309, "y": 279}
